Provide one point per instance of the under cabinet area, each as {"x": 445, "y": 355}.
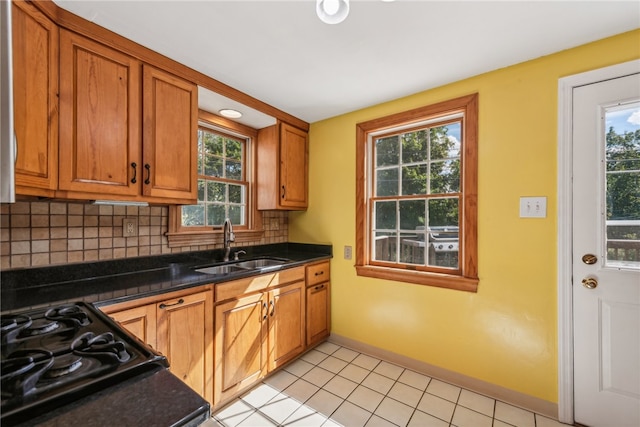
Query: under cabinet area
{"x": 318, "y": 302}
{"x": 259, "y": 324}
{"x": 178, "y": 325}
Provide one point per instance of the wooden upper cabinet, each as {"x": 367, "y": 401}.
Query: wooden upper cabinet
{"x": 99, "y": 118}
{"x": 35, "y": 102}
{"x": 170, "y": 111}
{"x": 282, "y": 168}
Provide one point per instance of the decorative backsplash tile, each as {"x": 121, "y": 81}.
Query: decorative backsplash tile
{"x": 34, "y": 234}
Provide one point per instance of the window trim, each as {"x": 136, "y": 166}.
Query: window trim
{"x": 466, "y": 278}
{"x": 186, "y": 236}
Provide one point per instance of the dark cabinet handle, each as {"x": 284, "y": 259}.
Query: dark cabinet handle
{"x": 283, "y": 191}
{"x": 319, "y": 287}
{"x": 135, "y": 172}
{"x": 273, "y": 308}
{"x": 319, "y": 273}
{"x": 264, "y": 310}
{"x": 147, "y": 166}
{"x": 163, "y": 305}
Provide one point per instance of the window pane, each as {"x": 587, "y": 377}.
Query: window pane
{"x": 414, "y": 180}
{"x": 623, "y": 187}
{"x": 384, "y": 246}
{"x": 201, "y": 185}
{"x": 385, "y": 216}
{"x": 445, "y": 141}
{"x": 414, "y": 147}
{"x": 387, "y": 151}
{"x": 387, "y": 182}
{"x": 445, "y": 177}
{"x": 212, "y": 144}
{"x": 412, "y": 248}
{"x": 236, "y": 193}
{"x": 215, "y": 192}
{"x": 234, "y": 170}
{"x": 412, "y": 214}
{"x": 234, "y": 149}
{"x": 443, "y": 212}
{"x": 193, "y": 215}
{"x": 235, "y": 215}
{"x": 215, "y": 214}
{"x": 213, "y": 166}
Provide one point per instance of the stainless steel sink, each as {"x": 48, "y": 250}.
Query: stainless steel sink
{"x": 221, "y": 269}
{"x": 261, "y": 263}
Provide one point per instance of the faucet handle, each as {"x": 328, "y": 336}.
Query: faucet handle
{"x": 236, "y": 256}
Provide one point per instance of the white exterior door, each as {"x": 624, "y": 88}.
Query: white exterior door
{"x": 606, "y": 252}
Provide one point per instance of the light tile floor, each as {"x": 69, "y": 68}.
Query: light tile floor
{"x": 336, "y": 386}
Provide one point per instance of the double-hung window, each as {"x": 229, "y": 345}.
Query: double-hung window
{"x": 225, "y": 186}
{"x": 416, "y": 196}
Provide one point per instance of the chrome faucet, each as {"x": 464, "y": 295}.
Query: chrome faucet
{"x": 228, "y": 238}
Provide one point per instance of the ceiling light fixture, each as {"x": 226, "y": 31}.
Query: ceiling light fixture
{"x": 229, "y": 113}
{"x": 332, "y": 11}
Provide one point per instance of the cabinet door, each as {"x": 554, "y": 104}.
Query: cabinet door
{"x": 293, "y": 167}
{"x": 318, "y": 312}
{"x": 185, "y": 336}
{"x": 140, "y": 321}
{"x": 240, "y": 345}
{"x": 286, "y": 323}
{"x": 99, "y": 118}
{"x": 170, "y": 136}
{"x": 35, "y": 102}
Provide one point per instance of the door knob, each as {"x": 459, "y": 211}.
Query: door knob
{"x": 589, "y": 282}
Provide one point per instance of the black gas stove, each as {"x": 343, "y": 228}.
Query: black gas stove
{"x": 54, "y": 356}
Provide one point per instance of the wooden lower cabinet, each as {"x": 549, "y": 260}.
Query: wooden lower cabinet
{"x": 256, "y": 334}
{"x": 140, "y": 321}
{"x": 318, "y": 302}
{"x": 185, "y": 336}
{"x": 181, "y": 328}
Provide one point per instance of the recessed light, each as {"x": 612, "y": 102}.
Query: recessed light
{"x": 229, "y": 113}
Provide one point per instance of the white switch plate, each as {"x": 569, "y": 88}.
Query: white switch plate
{"x": 533, "y": 207}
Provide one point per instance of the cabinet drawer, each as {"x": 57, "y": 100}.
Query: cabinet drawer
{"x": 259, "y": 283}
{"x": 318, "y": 273}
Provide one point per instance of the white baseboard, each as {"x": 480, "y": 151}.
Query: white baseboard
{"x": 524, "y": 401}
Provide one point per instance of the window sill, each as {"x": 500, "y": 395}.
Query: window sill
{"x": 439, "y": 280}
{"x": 199, "y": 238}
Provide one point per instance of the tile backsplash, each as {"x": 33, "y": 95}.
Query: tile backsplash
{"x": 34, "y": 234}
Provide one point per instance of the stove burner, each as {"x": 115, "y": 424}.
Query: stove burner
{"x": 40, "y": 327}
{"x": 22, "y": 370}
{"x": 70, "y": 312}
{"x": 103, "y": 347}
{"x": 63, "y": 365}
{"x": 12, "y": 325}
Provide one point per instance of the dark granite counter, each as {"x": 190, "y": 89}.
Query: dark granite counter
{"x": 157, "y": 398}
{"x": 107, "y": 282}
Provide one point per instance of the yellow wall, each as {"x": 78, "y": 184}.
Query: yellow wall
{"x": 506, "y": 334}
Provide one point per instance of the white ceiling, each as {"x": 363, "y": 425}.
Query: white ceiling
{"x": 280, "y": 53}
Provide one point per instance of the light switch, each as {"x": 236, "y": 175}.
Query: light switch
{"x": 533, "y": 207}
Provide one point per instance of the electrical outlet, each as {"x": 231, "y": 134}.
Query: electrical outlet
{"x": 275, "y": 224}
{"x": 347, "y": 252}
{"x": 129, "y": 227}
{"x": 533, "y": 207}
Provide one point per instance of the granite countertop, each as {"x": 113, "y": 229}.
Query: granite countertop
{"x": 113, "y": 281}
{"x": 156, "y": 398}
